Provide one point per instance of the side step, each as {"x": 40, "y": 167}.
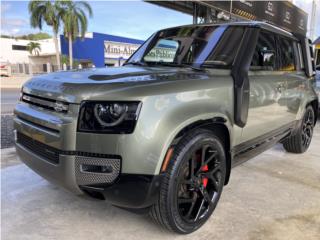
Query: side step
{"x": 254, "y": 150}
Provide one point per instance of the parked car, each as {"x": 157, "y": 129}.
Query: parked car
{"x": 163, "y": 132}
{"x": 4, "y": 69}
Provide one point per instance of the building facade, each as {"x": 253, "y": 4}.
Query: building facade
{"x": 95, "y": 49}
{"x": 15, "y": 54}
{"x": 100, "y": 49}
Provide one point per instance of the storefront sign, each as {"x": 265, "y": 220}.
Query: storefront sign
{"x": 280, "y": 13}
{"x": 117, "y": 50}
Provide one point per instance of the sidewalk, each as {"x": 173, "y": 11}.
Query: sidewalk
{"x": 14, "y": 81}
{"x": 9, "y": 157}
{"x": 7, "y": 138}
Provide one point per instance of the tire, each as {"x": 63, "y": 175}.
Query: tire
{"x": 188, "y": 198}
{"x": 300, "y": 141}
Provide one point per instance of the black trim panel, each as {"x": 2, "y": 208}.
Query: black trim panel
{"x": 130, "y": 190}
{"x": 247, "y": 150}
{"x": 240, "y": 77}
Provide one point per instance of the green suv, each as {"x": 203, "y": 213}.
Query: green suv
{"x": 162, "y": 132}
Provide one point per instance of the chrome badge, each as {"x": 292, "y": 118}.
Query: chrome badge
{"x": 60, "y": 107}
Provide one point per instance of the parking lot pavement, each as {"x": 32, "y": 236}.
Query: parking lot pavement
{"x": 273, "y": 196}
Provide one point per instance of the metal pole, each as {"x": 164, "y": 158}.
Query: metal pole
{"x": 230, "y": 10}
{"x": 195, "y": 13}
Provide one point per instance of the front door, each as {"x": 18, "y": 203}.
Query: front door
{"x": 267, "y": 90}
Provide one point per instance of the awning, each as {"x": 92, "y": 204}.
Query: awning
{"x": 282, "y": 14}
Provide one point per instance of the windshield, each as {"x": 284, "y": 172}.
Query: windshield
{"x": 190, "y": 46}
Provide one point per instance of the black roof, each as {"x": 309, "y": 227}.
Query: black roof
{"x": 260, "y": 24}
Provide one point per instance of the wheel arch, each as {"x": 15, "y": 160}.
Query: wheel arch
{"x": 218, "y": 126}
{"x": 315, "y": 105}
{"x": 309, "y": 100}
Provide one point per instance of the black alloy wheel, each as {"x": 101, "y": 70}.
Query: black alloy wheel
{"x": 198, "y": 184}
{"x": 192, "y": 184}
{"x": 301, "y": 137}
{"x": 307, "y": 128}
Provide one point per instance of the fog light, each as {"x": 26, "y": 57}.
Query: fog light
{"x": 96, "y": 169}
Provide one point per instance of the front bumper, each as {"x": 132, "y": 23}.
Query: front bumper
{"x": 61, "y": 174}
{"x": 124, "y": 190}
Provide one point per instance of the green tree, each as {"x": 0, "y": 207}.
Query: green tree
{"x": 38, "y": 36}
{"x": 65, "y": 60}
{"x": 75, "y": 22}
{"x": 34, "y": 48}
{"x": 49, "y": 12}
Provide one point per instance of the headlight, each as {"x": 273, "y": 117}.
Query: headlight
{"x": 108, "y": 117}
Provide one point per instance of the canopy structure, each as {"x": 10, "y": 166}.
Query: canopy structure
{"x": 282, "y": 14}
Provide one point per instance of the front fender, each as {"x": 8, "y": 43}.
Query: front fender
{"x": 172, "y": 113}
{"x": 183, "y": 125}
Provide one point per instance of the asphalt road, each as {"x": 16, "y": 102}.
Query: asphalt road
{"x": 274, "y": 196}
{"x": 9, "y": 98}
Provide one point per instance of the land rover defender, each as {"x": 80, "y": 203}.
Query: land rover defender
{"x": 162, "y": 132}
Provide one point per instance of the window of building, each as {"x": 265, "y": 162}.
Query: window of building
{"x": 286, "y": 55}
{"x": 264, "y": 57}
{"x": 224, "y": 53}
{"x": 19, "y": 47}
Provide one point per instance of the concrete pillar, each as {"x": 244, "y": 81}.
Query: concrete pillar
{"x": 48, "y": 67}
{"x": 30, "y": 69}
{"x": 23, "y": 68}
{"x": 9, "y": 70}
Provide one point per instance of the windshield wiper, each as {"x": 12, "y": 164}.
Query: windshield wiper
{"x": 179, "y": 65}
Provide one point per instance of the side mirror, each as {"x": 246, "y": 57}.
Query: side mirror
{"x": 267, "y": 58}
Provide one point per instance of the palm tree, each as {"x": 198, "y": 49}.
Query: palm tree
{"x": 34, "y": 47}
{"x": 49, "y": 12}
{"x": 75, "y": 22}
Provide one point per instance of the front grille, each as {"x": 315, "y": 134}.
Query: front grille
{"x": 46, "y": 103}
{"x": 50, "y": 154}
{"x": 90, "y": 168}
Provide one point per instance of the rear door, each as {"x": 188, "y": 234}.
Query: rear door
{"x": 291, "y": 64}
{"x": 267, "y": 90}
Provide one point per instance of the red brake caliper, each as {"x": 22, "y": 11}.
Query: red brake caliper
{"x": 205, "y": 180}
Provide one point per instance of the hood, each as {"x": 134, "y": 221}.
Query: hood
{"x": 75, "y": 86}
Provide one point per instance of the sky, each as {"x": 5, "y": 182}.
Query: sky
{"x": 135, "y": 19}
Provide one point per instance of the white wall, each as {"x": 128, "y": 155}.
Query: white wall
{"x": 20, "y": 56}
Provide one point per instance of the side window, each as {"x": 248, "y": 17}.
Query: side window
{"x": 286, "y": 55}
{"x": 224, "y": 53}
{"x": 264, "y": 57}
{"x": 317, "y": 57}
